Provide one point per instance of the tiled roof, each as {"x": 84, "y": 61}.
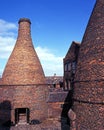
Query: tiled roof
{"x": 73, "y": 51}
{"x": 57, "y": 96}
{"x": 54, "y": 79}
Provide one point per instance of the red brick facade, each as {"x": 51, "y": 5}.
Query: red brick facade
{"x": 23, "y": 84}
{"x": 24, "y": 91}
{"x": 89, "y": 78}
{"x": 70, "y": 64}
{"x": 23, "y": 66}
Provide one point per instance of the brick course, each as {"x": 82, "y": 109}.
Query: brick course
{"x": 23, "y": 81}
{"x": 23, "y": 66}
{"x": 89, "y": 77}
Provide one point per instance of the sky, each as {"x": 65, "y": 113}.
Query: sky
{"x": 55, "y": 24}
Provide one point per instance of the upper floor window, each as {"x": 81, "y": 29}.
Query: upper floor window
{"x": 69, "y": 66}
{"x": 73, "y": 66}
{"x": 65, "y": 67}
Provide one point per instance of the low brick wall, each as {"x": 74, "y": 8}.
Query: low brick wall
{"x": 32, "y": 97}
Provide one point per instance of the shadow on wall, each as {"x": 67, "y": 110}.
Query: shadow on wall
{"x": 65, "y": 121}
{"x": 5, "y": 114}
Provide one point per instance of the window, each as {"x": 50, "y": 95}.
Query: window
{"x": 73, "y": 66}
{"x": 69, "y": 66}
{"x": 65, "y": 67}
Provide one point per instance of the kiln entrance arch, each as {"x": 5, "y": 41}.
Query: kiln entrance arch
{"x": 22, "y": 115}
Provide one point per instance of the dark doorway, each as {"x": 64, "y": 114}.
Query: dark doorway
{"x": 22, "y": 115}
{"x": 5, "y": 115}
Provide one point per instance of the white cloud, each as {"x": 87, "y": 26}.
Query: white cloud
{"x": 50, "y": 62}
{"x": 7, "y": 38}
{"x": 6, "y": 45}
{"x": 6, "y": 26}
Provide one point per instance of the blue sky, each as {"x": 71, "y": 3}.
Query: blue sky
{"x": 55, "y": 24}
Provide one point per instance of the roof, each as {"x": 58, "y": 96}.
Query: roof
{"x": 57, "y": 96}
{"x": 54, "y": 79}
{"x": 72, "y": 51}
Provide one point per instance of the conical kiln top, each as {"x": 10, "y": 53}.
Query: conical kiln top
{"x": 23, "y": 66}
{"x": 89, "y": 78}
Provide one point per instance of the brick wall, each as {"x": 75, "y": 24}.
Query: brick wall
{"x": 23, "y": 79}
{"x": 89, "y": 78}
{"x": 32, "y": 97}
{"x": 23, "y": 66}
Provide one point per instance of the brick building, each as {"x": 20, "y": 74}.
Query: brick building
{"x": 23, "y": 87}
{"x": 70, "y": 64}
{"x": 54, "y": 82}
{"x": 27, "y": 96}
{"x": 89, "y": 78}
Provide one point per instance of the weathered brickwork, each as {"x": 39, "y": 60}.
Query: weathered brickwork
{"x": 24, "y": 92}
{"x": 56, "y": 101}
{"x": 54, "y": 110}
{"x": 89, "y": 77}
{"x": 25, "y": 97}
{"x": 70, "y": 63}
{"x": 23, "y": 88}
{"x": 23, "y": 66}
{"x": 32, "y": 97}
{"x": 73, "y": 51}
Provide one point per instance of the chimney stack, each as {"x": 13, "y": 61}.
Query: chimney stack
{"x": 24, "y": 79}
{"x": 23, "y": 66}
{"x": 24, "y": 28}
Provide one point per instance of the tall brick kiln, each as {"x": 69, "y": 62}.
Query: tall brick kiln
{"x": 23, "y": 91}
{"x": 89, "y": 80}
